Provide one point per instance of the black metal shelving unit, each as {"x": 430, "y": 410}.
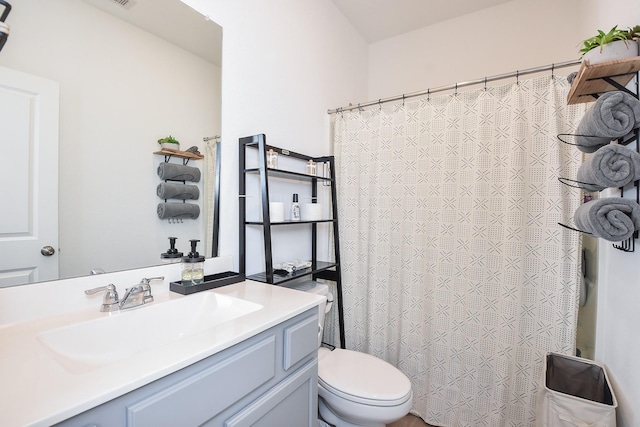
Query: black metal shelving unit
{"x": 319, "y": 269}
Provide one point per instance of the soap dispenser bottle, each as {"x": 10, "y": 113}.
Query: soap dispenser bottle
{"x": 172, "y": 255}
{"x": 295, "y": 208}
{"x": 192, "y": 266}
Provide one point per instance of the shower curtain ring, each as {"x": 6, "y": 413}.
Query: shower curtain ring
{"x": 360, "y": 108}
{"x": 380, "y": 104}
{"x": 517, "y": 77}
{"x": 455, "y": 93}
{"x": 428, "y": 95}
{"x": 553, "y": 69}
{"x": 485, "y": 83}
{"x": 403, "y": 99}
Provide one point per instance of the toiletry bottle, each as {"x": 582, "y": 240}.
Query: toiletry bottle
{"x": 310, "y": 168}
{"x": 172, "y": 255}
{"x": 272, "y": 159}
{"x": 295, "y": 208}
{"x": 192, "y": 266}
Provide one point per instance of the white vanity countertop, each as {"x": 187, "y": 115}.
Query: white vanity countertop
{"x": 39, "y": 390}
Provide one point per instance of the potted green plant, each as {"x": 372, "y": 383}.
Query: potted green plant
{"x": 610, "y": 46}
{"x": 169, "y": 143}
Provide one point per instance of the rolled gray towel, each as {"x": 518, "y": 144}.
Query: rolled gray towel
{"x": 613, "y": 218}
{"x": 168, "y": 190}
{"x": 611, "y": 166}
{"x": 176, "y": 172}
{"x": 178, "y": 210}
{"x": 613, "y": 115}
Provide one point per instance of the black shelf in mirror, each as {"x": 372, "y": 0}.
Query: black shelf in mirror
{"x": 316, "y": 221}
{"x": 279, "y": 173}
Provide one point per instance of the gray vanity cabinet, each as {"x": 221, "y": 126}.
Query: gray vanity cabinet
{"x": 267, "y": 380}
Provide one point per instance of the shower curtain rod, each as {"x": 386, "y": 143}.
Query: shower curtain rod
{"x": 456, "y": 86}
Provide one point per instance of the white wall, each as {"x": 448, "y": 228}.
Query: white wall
{"x": 120, "y": 90}
{"x": 516, "y": 35}
{"x": 285, "y": 63}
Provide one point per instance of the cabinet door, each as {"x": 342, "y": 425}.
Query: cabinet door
{"x": 295, "y": 400}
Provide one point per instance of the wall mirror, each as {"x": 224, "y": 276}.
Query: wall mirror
{"x": 129, "y": 72}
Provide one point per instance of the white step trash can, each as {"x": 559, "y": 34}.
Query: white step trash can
{"x": 575, "y": 392}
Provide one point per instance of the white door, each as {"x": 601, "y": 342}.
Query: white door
{"x": 28, "y": 178}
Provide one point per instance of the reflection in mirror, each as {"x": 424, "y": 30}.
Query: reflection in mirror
{"x": 124, "y": 82}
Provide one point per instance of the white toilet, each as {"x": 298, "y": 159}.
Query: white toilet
{"x": 356, "y": 389}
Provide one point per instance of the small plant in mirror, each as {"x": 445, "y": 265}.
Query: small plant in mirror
{"x": 169, "y": 142}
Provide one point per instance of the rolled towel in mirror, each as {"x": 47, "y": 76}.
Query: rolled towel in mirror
{"x": 178, "y": 210}
{"x": 613, "y": 218}
{"x": 168, "y": 190}
{"x": 176, "y": 172}
{"x": 612, "y": 116}
{"x": 611, "y": 166}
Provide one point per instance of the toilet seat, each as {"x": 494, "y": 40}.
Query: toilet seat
{"x": 362, "y": 378}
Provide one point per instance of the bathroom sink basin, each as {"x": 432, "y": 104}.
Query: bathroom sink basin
{"x": 122, "y": 334}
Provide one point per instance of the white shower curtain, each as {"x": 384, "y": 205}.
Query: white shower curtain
{"x": 454, "y": 268}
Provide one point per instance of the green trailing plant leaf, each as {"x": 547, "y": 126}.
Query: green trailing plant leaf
{"x": 170, "y": 139}
{"x": 634, "y": 33}
{"x": 604, "y": 38}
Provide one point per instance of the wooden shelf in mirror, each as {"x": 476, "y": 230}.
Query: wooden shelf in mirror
{"x": 180, "y": 154}
{"x": 592, "y": 79}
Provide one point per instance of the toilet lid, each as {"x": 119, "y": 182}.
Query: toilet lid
{"x": 362, "y": 378}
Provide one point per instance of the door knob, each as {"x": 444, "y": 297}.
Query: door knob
{"x": 47, "y": 250}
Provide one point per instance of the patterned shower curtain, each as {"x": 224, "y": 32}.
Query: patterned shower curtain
{"x": 454, "y": 267}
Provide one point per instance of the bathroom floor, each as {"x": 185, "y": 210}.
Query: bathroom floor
{"x": 410, "y": 421}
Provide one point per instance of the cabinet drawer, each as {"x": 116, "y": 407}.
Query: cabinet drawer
{"x": 300, "y": 340}
{"x": 200, "y": 397}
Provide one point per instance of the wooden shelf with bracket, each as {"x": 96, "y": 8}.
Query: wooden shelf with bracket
{"x": 180, "y": 154}
{"x": 594, "y": 80}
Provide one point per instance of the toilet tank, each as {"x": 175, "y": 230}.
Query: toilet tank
{"x": 319, "y": 289}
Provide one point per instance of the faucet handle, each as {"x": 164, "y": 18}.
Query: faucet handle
{"x": 110, "y": 302}
{"x": 146, "y": 281}
{"x": 145, "y": 284}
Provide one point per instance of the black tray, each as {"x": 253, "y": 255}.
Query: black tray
{"x": 210, "y": 282}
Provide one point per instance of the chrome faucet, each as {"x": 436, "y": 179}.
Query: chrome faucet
{"x": 139, "y": 294}
{"x": 134, "y": 296}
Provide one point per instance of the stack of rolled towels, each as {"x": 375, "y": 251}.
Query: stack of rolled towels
{"x": 168, "y": 190}
{"x": 614, "y": 115}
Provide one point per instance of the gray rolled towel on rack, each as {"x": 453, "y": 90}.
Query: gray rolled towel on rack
{"x": 178, "y": 210}
{"x": 177, "y": 172}
{"x": 613, "y": 115}
{"x": 168, "y": 190}
{"x": 613, "y": 218}
{"x": 613, "y": 165}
